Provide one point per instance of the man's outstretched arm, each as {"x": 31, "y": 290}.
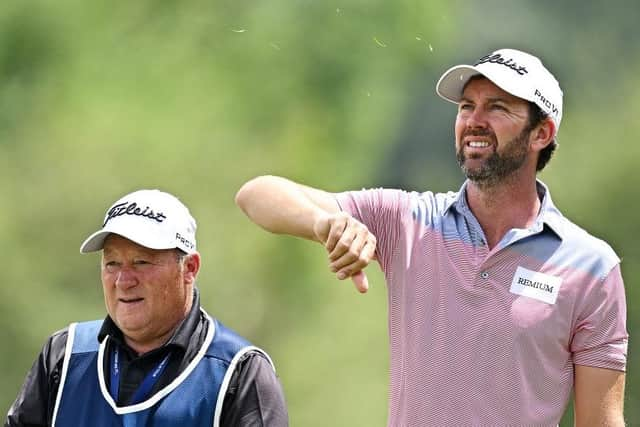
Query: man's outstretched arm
{"x": 282, "y": 206}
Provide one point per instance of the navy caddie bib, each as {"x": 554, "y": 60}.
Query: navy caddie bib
{"x": 194, "y": 398}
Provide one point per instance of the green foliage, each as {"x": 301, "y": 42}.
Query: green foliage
{"x": 195, "y": 97}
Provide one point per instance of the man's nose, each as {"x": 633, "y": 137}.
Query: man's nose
{"x": 476, "y": 119}
{"x": 126, "y": 278}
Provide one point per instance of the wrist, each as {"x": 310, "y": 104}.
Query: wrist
{"x": 321, "y": 226}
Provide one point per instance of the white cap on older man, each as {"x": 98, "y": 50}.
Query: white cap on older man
{"x": 514, "y": 71}
{"x": 150, "y": 218}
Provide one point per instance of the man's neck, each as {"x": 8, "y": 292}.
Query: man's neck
{"x": 512, "y": 203}
{"x": 144, "y": 347}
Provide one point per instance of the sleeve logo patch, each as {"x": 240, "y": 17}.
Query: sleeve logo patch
{"x": 536, "y": 285}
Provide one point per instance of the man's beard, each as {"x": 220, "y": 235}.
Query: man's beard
{"x": 496, "y": 167}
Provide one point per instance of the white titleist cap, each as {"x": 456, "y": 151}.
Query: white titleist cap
{"x": 514, "y": 71}
{"x": 150, "y": 218}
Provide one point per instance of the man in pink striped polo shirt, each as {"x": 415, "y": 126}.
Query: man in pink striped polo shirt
{"x": 499, "y": 306}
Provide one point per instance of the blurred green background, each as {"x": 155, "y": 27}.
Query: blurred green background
{"x": 195, "y": 97}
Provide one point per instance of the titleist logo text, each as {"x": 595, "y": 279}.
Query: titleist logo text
{"x": 498, "y": 59}
{"x": 132, "y": 208}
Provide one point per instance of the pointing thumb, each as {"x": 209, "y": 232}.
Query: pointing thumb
{"x": 361, "y": 282}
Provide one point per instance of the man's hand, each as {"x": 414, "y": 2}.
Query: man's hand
{"x": 350, "y": 245}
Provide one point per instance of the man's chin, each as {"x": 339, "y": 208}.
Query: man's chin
{"x": 473, "y": 168}
{"x": 477, "y": 178}
{"x": 477, "y": 174}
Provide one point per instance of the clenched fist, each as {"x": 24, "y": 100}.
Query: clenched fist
{"x": 350, "y": 244}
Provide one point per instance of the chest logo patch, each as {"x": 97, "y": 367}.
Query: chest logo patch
{"x": 536, "y": 285}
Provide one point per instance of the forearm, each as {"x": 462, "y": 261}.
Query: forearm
{"x": 285, "y": 207}
{"x": 282, "y": 206}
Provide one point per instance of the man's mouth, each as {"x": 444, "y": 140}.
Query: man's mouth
{"x": 478, "y": 144}
{"x": 130, "y": 300}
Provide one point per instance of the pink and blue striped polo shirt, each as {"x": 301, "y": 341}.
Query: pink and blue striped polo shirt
{"x": 483, "y": 337}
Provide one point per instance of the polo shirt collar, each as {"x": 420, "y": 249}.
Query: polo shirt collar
{"x": 549, "y": 215}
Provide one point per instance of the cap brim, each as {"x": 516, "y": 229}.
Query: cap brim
{"x": 452, "y": 82}
{"x": 95, "y": 242}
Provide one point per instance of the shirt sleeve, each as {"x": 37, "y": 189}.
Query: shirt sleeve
{"x": 600, "y": 339}
{"x": 35, "y": 402}
{"x": 254, "y": 397}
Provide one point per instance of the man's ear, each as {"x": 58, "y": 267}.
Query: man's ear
{"x": 191, "y": 267}
{"x": 543, "y": 134}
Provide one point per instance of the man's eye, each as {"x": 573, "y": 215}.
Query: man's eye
{"x": 465, "y": 106}
{"x": 110, "y": 265}
{"x": 499, "y": 107}
{"x": 141, "y": 262}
